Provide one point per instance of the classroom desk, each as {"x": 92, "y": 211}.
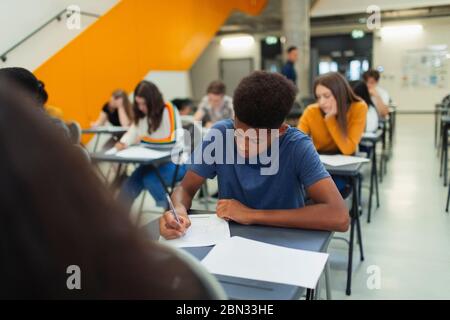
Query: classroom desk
{"x": 439, "y": 110}
{"x": 445, "y": 126}
{"x": 392, "y": 124}
{"x": 152, "y": 163}
{"x": 351, "y": 171}
{"x": 373, "y": 139}
{"x": 247, "y": 289}
{"x": 103, "y": 130}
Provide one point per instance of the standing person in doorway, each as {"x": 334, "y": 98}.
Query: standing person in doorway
{"x": 289, "y": 68}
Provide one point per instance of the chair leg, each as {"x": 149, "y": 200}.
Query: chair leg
{"x": 375, "y": 175}
{"x": 448, "y": 199}
{"x": 348, "y": 291}
{"x": 358, "y": 229}
{"x": 141, "y": 210}
{"x": 369, "y": 209}
{"x": 445, "y": 155}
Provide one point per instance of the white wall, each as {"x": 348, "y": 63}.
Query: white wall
{"x": 206, "y": 68}
{"x": 172, "y": 84}
{"x": 389, "y": 53}
{"x": 18, "y": 18}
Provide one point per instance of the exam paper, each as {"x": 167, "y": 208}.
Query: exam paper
{"x": 249, "y": 259}
{"x": 205, "y": 230}
{"x": 138, "y": 152}
{"x": 111, "y": 151}
{"x": 341, "y": 160}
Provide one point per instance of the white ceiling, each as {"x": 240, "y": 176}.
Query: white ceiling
{"x": 341, "y": 7}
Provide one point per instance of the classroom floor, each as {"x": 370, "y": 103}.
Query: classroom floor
{"x": 408, "y": 240}
{"x": 409, "y": 236}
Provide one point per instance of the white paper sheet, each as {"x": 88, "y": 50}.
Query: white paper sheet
{"x": 111, "y": 129}
{"x": 205, "y": 230}
{"x": 370, "y": 135}
{"x": 244, "y": 258}
{"x": 341, "y": 160}
{"x": 138, "y": 152}
{"x": 111, "y": 151}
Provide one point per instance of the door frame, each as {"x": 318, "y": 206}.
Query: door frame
{"x": 222, "y": 61}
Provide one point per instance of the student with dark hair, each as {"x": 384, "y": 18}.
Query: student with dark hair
{"x": 289, "y": 68}
{"x": 184, "y": 106}
{"x": 379, "y": 96}
{"x": 246, "y": 191}
{"x": 55, "y": 213}
{"x": 117, "y": 111}
{"x": 372, "y": 120}
{"x": 24, "y": 83}
{"x": 155, "y": 124}
{"x": 336, "y": 122}
{"x": 215, "y": 106}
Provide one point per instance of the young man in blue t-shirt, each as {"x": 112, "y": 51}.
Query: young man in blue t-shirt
{"x": 262, "y": 166}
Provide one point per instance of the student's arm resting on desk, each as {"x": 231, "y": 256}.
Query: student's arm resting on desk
{"x": 328, "y": 213}
{"x": 182, "y": 200}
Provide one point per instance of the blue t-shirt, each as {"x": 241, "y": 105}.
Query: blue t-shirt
{"x": 298, "y": 164}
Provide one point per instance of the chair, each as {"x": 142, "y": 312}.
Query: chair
{"x": 75, "y": 132}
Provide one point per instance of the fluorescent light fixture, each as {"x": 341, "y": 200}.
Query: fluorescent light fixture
{"x": 237, "y": 42}
{"x": 438, "y": 47}
{"x": 271, "y": 40}
{"x": 401, "y": 30}
{"x": 357, "y": 34}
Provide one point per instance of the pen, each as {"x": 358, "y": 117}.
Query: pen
{"x": 172, "y": 208}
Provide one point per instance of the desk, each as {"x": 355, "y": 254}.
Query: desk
{"x": 373, "y": 139}
{"x": 351, "y": 171}
{"x": 103, "y": 130}
{"x": 445, "y": 126}
{"x": 439, "y": 110}
{"x": 246, "y": 289}
{"x": 153, "y": 163}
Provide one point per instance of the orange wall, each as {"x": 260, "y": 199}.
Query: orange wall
{"x": 132, "y": 39}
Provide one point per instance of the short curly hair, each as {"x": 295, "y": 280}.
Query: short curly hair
{"x": 263, "y": 99}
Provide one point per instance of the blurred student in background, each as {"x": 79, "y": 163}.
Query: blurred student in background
{"x": 118, "y": 112}
{"x": 372, "y": 120}
{"x": 155, "y": 124}
{"x": 379, "y": 96}
{"x": 215, "y": 106}
{"x": 337, "y": 121}
{"x": 184, "y": 106}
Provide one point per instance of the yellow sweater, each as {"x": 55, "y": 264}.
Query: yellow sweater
{"x": 326, "y": 134}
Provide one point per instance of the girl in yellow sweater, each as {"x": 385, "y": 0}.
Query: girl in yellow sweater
{"x": 337, "y": 121}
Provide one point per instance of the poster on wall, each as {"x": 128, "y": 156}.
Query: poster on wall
{"x": 426, "y": 68}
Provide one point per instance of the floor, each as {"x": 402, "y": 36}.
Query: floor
{"x": 408, "y": 241}
{"x": 407, "y": 244}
